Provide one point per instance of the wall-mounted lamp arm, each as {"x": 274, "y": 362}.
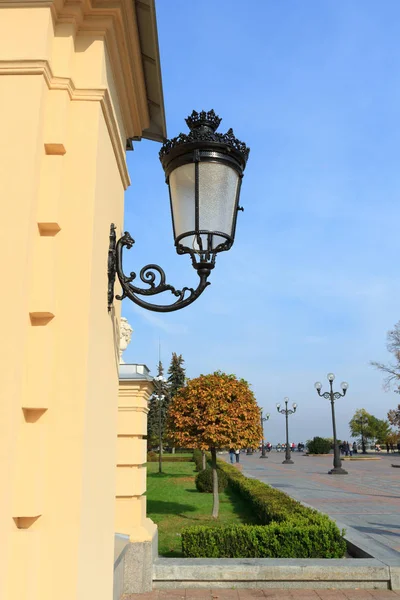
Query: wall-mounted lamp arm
{"x": 148, "y": 275}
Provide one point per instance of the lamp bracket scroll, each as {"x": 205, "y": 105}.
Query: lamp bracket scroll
{"x": 148, "y": 275}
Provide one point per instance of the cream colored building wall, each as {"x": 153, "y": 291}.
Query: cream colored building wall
{"x": 65, "y": 117}
{"x": 130, "y": 516}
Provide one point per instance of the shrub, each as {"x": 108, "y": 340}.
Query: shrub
{"x": 277, "y": 540}
{"x": 267, "y": 503}
{"x": 319, "y": 445}
{"x": 288, "y": 529}
{"x": 204, "y": 481}
{"x": 153, "y": 457}
{"x": 198, "y": 459}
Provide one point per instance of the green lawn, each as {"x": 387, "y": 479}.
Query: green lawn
{"x": 174, "y": 503}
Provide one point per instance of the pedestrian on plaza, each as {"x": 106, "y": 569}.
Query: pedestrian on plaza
{"x": 232, "y": 455}
{"x": 387, "y": 447}
{"x": 354, "y": 448}
{"x": 237, "y": 455}
{"x": 346, "y": 448}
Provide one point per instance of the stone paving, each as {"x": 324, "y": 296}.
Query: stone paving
{"x": 271, "y": 594}
{"x": 367, "y": 499}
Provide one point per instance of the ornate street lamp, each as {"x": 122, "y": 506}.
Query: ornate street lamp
{"x": 332, "y": 396}
{"x": 159, "y": 383}
{"x": 204, "y": 171}
{"x": 287, "y": 411}
{"x": 263, "y": 419}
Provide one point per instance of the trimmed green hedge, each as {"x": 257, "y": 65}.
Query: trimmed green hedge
{"x": 277, "y": 540}
{"x": 153, "y": 457}
{"x": 268, "y": 503}
{"x": 287, "y": 528}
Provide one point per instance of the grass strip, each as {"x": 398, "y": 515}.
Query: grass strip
{"x": 174, "y": 503}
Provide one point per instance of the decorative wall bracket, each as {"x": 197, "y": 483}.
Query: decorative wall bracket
{"x": 148, "y": 275}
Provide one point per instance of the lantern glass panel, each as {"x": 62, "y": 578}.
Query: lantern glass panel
{"x": 218, "y": 185}
{"x": 182, "y": 190}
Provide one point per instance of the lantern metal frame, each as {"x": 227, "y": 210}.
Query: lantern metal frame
{"x": 201, "y": 144}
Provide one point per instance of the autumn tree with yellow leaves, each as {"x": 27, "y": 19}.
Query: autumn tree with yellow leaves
{"x": 213, "y": 412}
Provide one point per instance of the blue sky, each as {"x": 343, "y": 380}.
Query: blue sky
{"x": 311, "y": 284}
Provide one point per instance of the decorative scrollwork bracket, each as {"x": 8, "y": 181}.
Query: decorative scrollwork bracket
{"x": 148, "y": 275}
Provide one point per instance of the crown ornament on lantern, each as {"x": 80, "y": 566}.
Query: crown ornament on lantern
{"x": 203, "y": 127}
{"x": 203, "y": 119}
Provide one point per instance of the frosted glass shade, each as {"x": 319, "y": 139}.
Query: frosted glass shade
{"x": 214, "y": 209}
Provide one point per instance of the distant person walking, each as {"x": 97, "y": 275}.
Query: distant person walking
{"x": 237, "y": 455}
{"x": 354, "y": 447}
{"x": 232, "y": 455}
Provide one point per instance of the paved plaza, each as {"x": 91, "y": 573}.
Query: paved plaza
{"x": 367, "y": 499}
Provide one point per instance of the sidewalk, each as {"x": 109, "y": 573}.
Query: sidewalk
{"x": 367, "y": 499}
{"x": 271, "y": 594}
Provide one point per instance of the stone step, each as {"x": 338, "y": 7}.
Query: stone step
{"x": 178, "y": 573}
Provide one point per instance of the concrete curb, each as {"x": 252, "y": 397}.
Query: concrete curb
{"x": 361, "y": 458}
{"x": 270, "y": 573}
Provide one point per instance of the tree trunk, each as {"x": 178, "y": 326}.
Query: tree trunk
{"x": 204, "y": 460}
{"x": 215, "y": 509}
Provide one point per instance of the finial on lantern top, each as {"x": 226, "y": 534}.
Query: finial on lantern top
{"x": 203, "y": 119}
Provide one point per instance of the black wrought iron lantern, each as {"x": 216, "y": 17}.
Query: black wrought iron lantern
{"x": 203, "y": 170}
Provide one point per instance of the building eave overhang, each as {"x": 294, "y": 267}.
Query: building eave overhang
{"x": 148, "y": 38}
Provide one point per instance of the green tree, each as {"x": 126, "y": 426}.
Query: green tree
{"x": 176, "y": 374}
{"x": 366, "y": 427}
{"x": 394, "y": 417}
{"x": 176, "y": 377}
{"x": 391, "y": 369}
{"x": 153, "y": 418}
{"x": 380, "y": 428}
{"x": 212, "y": 412}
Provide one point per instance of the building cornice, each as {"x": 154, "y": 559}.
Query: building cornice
{"x": 130, "y": 32}
{"x": 101, "y": 95}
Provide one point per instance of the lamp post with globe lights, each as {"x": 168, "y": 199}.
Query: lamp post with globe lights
{"x": 332, "y": 396}
{"x": 263, "y": 419}
{"x": 287, "y": 411}
{"x": 159, "y": 383}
